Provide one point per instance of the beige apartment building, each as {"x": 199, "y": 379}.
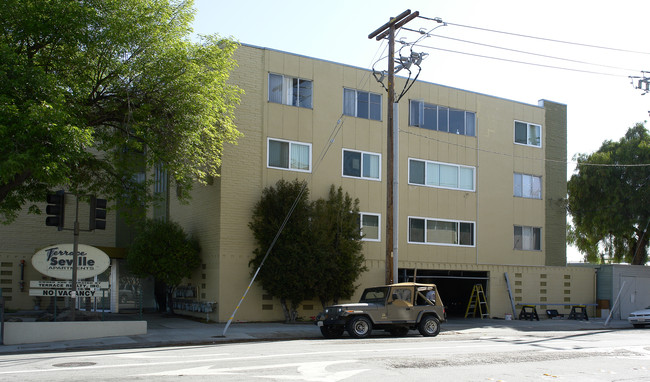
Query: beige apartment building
{"x": 482, "y": 184}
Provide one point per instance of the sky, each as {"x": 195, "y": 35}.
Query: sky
{"x": 601, "y": 101}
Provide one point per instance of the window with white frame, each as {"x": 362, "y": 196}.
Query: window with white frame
{"x": 442, "y": 175}
{"x": 362, "y": 104}
{"x": 369, "y": 226}
{"x": 528, "y": 134}
{"x": 528, "y": 238}
{"x": 440, "y": 232}
{"x": 359, "y": 164}
{"x": 440, "y": 118}
{"x": 290, "y": 90}
{"x": 289, "y": 155}
{"x": 527, "y": 186}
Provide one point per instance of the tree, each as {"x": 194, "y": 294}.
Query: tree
{"x": 94, "y": 92}
{"x": 337, "y": 246}
{"x": 609, "y": 200}
{"x": 163, "y": 250}
{"x": 287, "y": 269}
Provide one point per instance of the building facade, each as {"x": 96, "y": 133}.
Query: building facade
{"x": 481, "y": 190}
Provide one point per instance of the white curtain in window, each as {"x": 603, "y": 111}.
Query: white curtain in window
{"x": 299, "y": 156}
{"x": 536, "y": 191}
{"x": 517, "y": 191}
{"x": 287, "y": 96}
{"x": 370, "y": 227}
{"x": 466, "y": 178}
{"x": 448, "y": 176}
{"x": 534, "y": 137}
{"x": 349, "y": 102}
{"x": 433, "y": 174}
{"x": 371, "y": 166}
{"x": 527, "y": 239}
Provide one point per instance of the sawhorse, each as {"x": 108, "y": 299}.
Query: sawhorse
{"x": 578, "y": 312}
{"x": 528, "y": 312}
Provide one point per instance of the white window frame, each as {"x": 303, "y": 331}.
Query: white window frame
{"x": 528, "y": 194}
{"x": 289, "y": 168}
{"x": 458, "y": 167}
{"x": 356, "y": 104}
{"x": 287, "y": 98}
{"x": 458, "y": 232}
{"x": 361, "y": 215}
{"x": 528, "y": 138}
{"x": 362, "y": 154}
{"x": 524, "y": 245}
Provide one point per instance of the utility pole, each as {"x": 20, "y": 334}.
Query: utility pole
{"x": 388, "y": 30}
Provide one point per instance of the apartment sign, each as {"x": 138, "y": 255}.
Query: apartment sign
{"x": 57, "y": 261}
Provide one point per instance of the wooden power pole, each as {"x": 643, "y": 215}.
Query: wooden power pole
{"x": 388, "y": 30}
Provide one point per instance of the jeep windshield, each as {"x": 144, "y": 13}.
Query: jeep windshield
{"x": 375, "y": 295}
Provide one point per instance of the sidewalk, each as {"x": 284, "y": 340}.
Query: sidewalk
{"x": 177, "y": 331}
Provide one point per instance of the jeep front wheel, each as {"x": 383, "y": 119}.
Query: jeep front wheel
{"x": 429, "y": 326}
{"x": 359, "y": 327}
{"x": 330, "y": 331}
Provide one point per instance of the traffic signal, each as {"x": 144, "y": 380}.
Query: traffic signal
{"x": 55, "y": 209}
{"x": 97, "y": 213}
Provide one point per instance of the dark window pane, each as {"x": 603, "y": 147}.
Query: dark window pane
{"x": 520, "y": 133}
{"x": 518, "y": 237}
{"x": 305, "y": 94}
{"x": 442, "y": 119}
{"x": 537, "y": 238}
{"x": 416, "y": 230}
{"x": 414, "y": 119}
{"x": 275, "y": 88}
{"x": 362, "y": 104}
{"x": 351, "y": 163}
{"x": 456, "y": 121}
{"x": 416, "y": 172}
{"x": 279, "y": 154}
{"x": 466, "y": 234}
{"x": 430, "y": 117}
{"x": 375, "y": 107}
{"x": 470, "y": 124}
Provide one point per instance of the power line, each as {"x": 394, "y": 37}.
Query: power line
{"x": 540, "y": 38}
{"x": 524, "y": 62}
{"x": 522, "y": 51}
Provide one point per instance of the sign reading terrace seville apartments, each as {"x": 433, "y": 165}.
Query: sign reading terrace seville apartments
{"x": 56, "y": 261}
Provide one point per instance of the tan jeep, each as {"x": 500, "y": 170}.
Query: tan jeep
{"x": 396, "y": 308}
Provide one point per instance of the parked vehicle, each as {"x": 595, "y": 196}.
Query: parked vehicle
{"x": 640, "y": 318}
{"x": 395, "y": 308}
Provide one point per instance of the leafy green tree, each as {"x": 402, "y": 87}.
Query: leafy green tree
{"x": 286, "y": 271}
{"x": 163, "y": 250}
{"x": 609, "y": 200}
{"x": 337, "y": 246}
{"x": 94, "y": 92}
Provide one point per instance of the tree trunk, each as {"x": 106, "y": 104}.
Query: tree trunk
{"x": 170, "y": 303}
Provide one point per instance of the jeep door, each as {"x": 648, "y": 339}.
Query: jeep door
{"x": 399, "y": 306}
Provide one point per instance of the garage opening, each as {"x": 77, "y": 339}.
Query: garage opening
{"x": 455, "y": 287}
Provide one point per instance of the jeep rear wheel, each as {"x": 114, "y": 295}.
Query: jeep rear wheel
{"x": 330, "y": 331}
{"x": 359, "y": 327}
{"x": 429, "y": 326}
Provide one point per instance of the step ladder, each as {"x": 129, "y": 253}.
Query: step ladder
{"x": 477, "y": 302}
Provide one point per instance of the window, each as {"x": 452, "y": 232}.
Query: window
{"x": 528, "y": 238}
{"x": 528, "y": 134}
{"x": 443, "y": 175}
{"x": 289, "y": 155}
{"x": 290, "y": 91}
{"x": 362, "y": 104}
{"x": 528, "y": 186}
{"x": 441, "y": 232}
{"x": 360, "y": 164}
{"x": 433, "y": 117}
{"x": 369, "y": 226}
